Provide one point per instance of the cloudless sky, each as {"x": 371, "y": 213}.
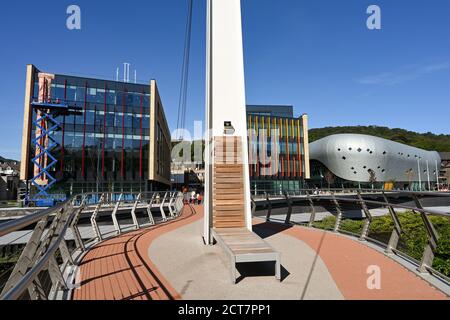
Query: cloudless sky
{"x": 317, "y": 55}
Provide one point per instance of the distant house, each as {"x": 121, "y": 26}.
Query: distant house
{"x": 9, "y": 180}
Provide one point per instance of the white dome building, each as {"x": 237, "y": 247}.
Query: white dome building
{"x": 357, "y": 159}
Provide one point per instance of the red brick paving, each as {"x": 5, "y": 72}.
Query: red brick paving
{"x": 348, "y": 260}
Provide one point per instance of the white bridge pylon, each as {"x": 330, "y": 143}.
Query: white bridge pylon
{"x": 225, "y": 95}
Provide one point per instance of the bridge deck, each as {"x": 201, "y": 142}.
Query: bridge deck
{"x": 171, "y": 262}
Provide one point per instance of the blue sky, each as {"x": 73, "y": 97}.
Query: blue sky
{"x": 317, "y": 55}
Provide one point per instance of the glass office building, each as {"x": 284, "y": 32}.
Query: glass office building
{"x": 113, "y": 136}
{"x": 291, "y": 169}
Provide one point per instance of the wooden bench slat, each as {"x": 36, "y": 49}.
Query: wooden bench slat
{"x": 222, "y": 183}
{"x": 228, "y": 191}
{"x": 234, "y": 181}
{"x": 228, "y": 214}
{"x": 220, "y": 197}
{"x": 228, "y": 168}
{"x": 228, "y": 204}
{"x": 226, "y": 225}
{"x": 237, "y": 187}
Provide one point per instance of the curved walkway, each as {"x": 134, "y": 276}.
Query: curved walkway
{"x": 119, "y": 268}
{"x": 351, "y": 262}
{"x": 170, "y": 261}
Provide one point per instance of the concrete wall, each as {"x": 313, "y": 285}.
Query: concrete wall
{"x": 27, "y": 120}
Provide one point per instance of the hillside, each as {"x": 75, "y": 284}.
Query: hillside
{"x": 426, "y": 141}
{"x": 7, "y": 160}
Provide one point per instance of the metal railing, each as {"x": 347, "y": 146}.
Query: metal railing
{"x": 46, "y": 264}
{"x": 262, "y": 194}
{"x": 425, "y": 265}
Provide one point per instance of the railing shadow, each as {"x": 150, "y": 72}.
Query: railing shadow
{"x": 268, "y": 229}
{"x": 313, "y": 266}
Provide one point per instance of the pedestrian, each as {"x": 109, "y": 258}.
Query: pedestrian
{"x": 186, "y": 197}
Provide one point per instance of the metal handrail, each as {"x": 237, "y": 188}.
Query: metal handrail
{"x": 18, "y": 224}
{"x": 23, "y": 222}
{"x": 400, "y": 206}
{"x": 262, "y": 193}
{"x": 28, "y": 278}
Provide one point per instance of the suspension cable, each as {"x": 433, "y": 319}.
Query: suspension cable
{"x": 181, "y": 121}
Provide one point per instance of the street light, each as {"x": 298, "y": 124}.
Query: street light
{"x": 437, "y": 177}
{"x": 420, "y": 178}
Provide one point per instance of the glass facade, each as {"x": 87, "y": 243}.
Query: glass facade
{"x": 104, "y": 144}
{"x": 271, "y": 111}
{"x": 322, "y": 177}
{"x": 287, "y": 172}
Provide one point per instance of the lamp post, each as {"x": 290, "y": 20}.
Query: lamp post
{"x": 420, "y": 177}
{"x": 437, "y": 177}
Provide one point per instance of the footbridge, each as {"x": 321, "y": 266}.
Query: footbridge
{"x": 152, "y": 246}
{"x": 149, "y": 248}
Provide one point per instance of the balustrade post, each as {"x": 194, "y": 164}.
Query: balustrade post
{"x": 339, "y": 215}
{"x": 161, "y": 208}
{"x": 253, "y": 205}
{"x": 94, "y": 218}
{"x": 133, "y": 212}
{"x": 312, "y": 218}
{"x": 73, "y": 226}
{"x": 397, "y": 231}
{"x": 149, "y": 210}
{"x": 367, "y": 220}
{"x": 114, "y": 215}
{"x": 433, "y": 238}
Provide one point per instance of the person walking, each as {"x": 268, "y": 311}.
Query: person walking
{"x": 185, "y": 197}
{"x": 199, "y": 199}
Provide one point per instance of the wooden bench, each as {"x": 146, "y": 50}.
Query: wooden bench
{"x": 244, "y": 246}
{"x": 229, "y": 221}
